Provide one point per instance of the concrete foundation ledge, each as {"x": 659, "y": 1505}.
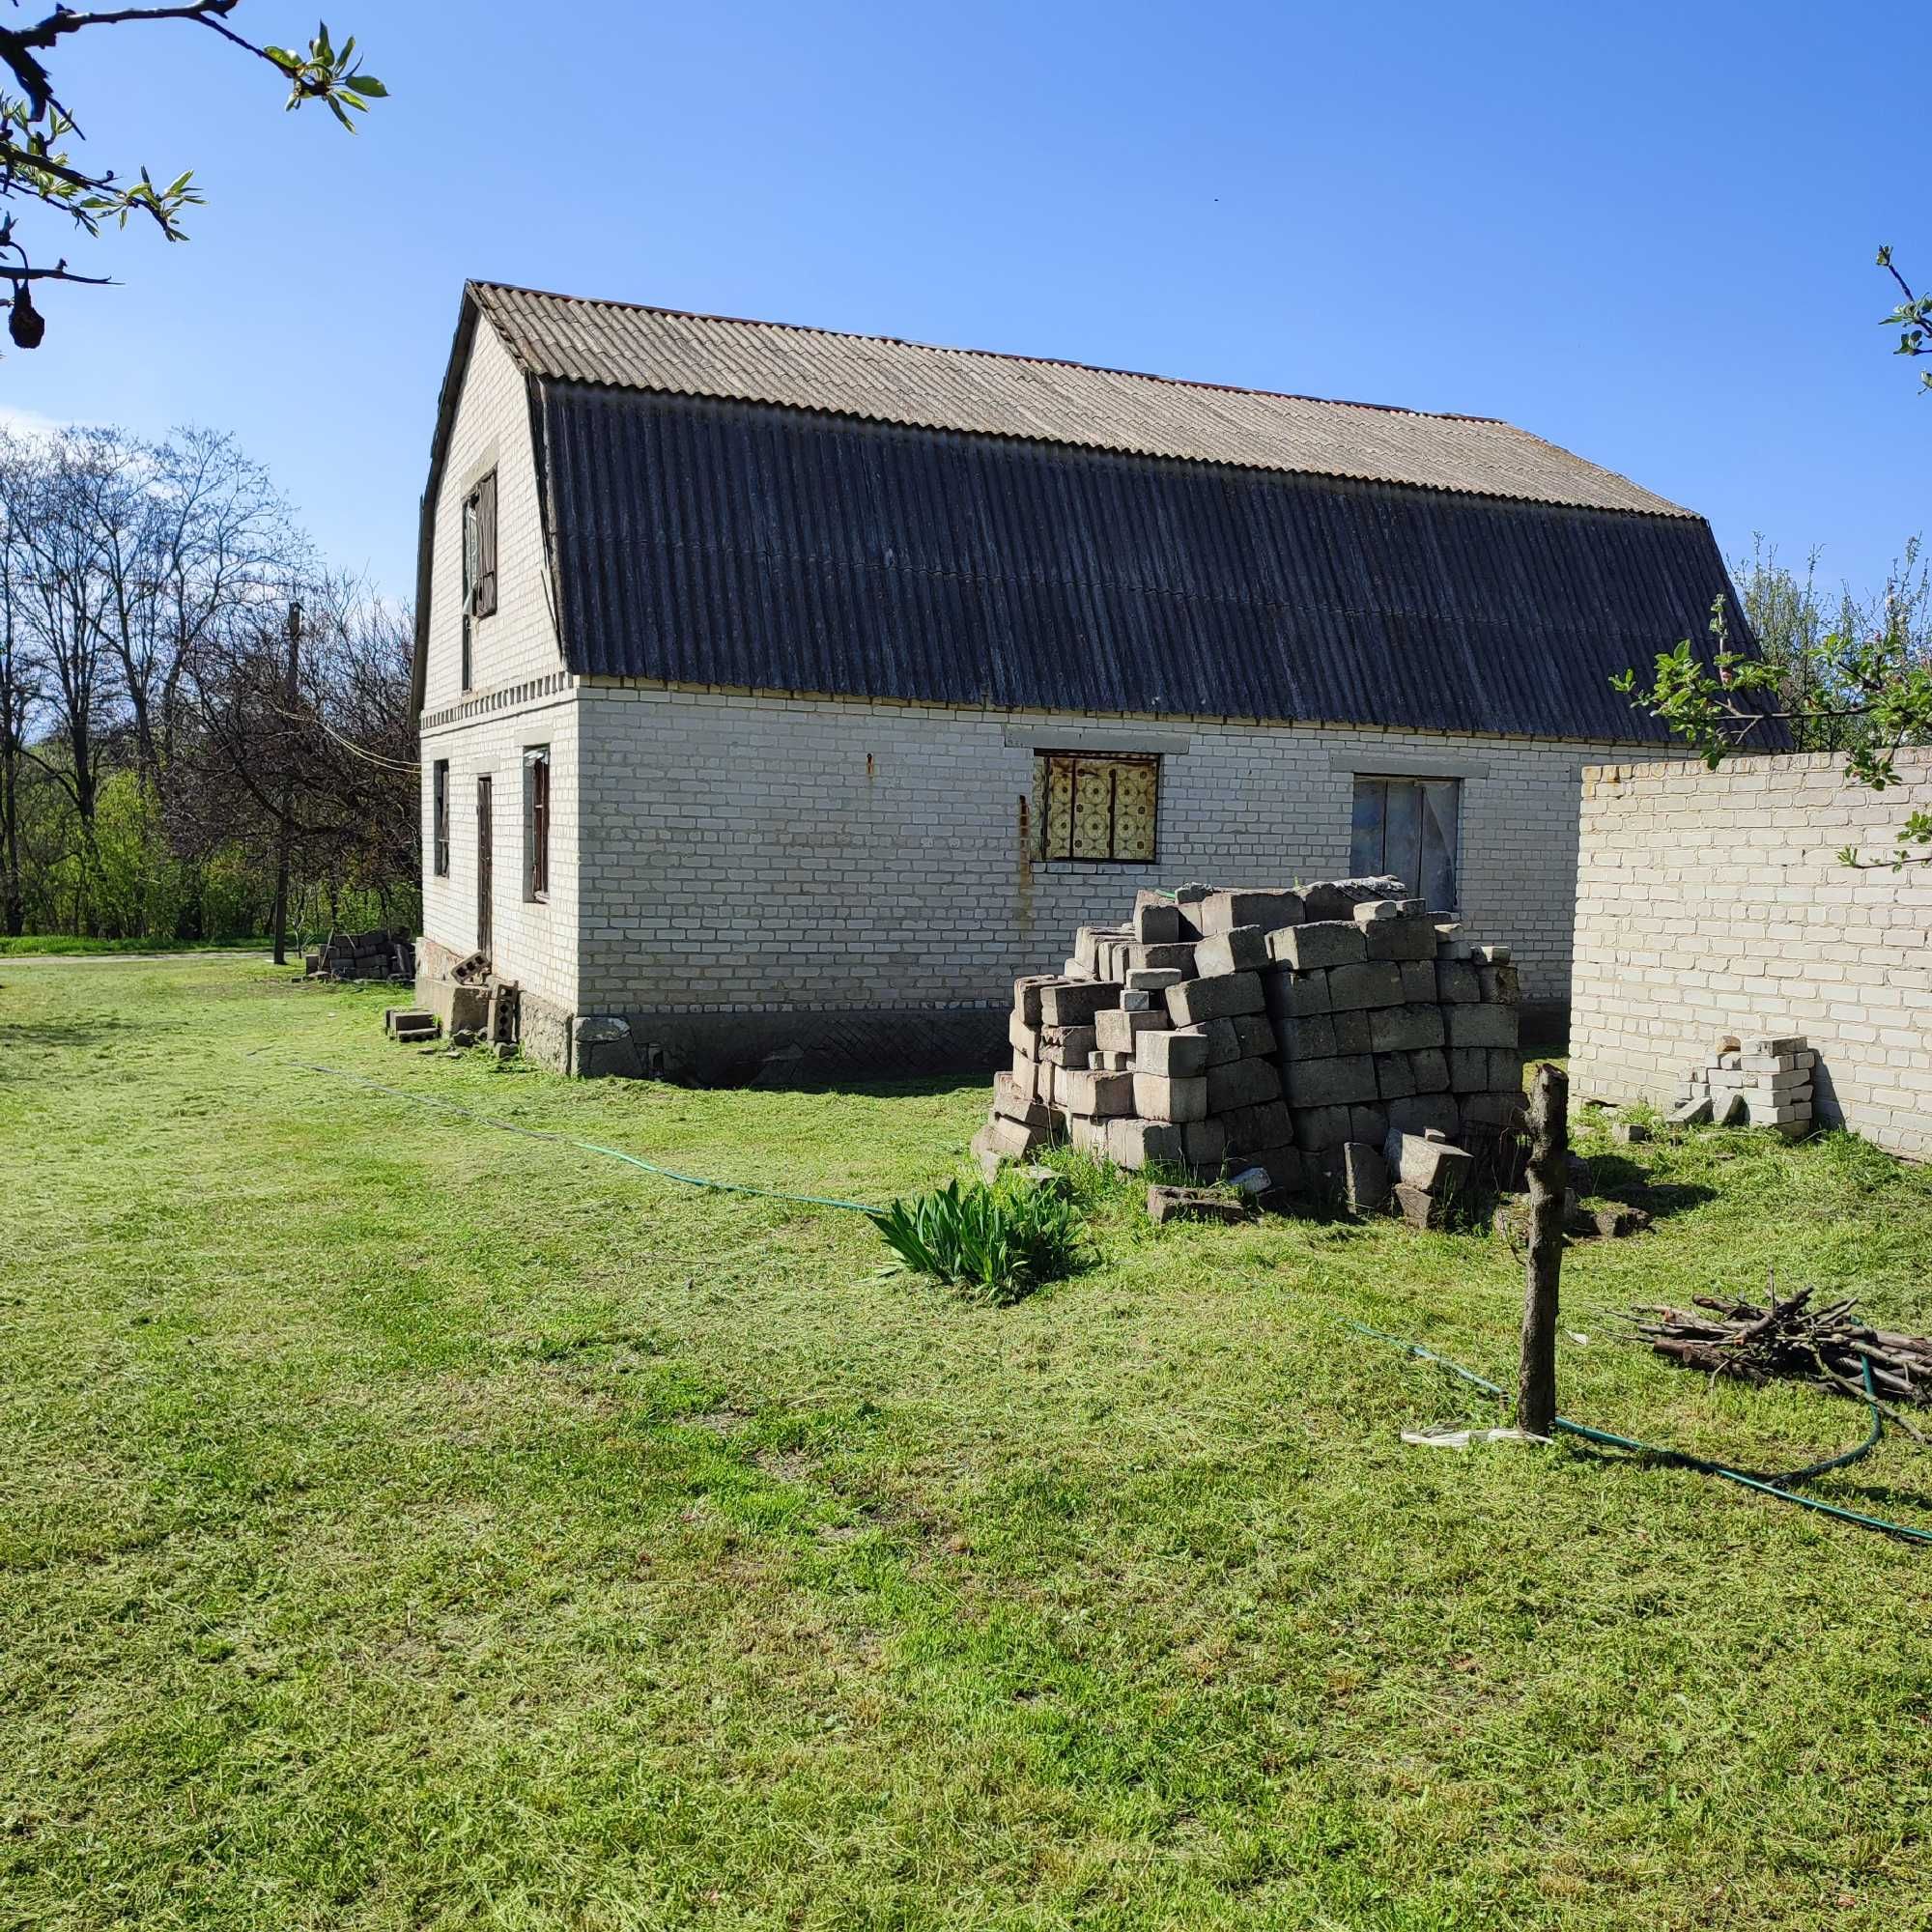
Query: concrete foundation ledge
{"x": 804, "y": 1049}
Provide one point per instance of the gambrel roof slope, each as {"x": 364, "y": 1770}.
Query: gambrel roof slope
{"x": 770, "y": 508}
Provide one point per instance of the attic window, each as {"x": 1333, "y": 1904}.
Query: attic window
{"x": 1101, "y": 807}
{"x": 479, "y": 549}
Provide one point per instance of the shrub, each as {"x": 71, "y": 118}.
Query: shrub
{"x": 997, "y": 1243}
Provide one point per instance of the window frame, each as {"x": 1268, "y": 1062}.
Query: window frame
{"x": 438, "y": 817}
{"x": 537, "y": 821}
{"x": 1418, "y": 783}
{"x": 1045, "y": 757}
{"x": 476, "y": 546}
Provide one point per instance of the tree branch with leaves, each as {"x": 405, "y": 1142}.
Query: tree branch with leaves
{"x": 39, "y": 169}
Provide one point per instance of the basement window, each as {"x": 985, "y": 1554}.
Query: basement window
{"x": 440, "y": 819}
{"x": 1409, "y": 827}
{"x": 536, "y": 822}
{"x": 1102, "y": 807}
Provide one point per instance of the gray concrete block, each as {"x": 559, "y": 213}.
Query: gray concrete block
{"x": 1179, "y": 1054}
{"x": 1501, "y": 985}
{"x": 1369, "y": 912}
{"x": 1156, "y": 923}
{"x": 1309, "y": 948}
{"x": 1203, "y": 1143}
{"x": 1429, "y": 1070}
{"x": 1151, "y": 979}
{"x": 1421, "y": 1210}
{"x": 1401, "y": 939}
{"x": 1369, "y": 1123}
{"x": 1365, "y": 1177}
{"x": 1378, "y": 983}
{"x": 1439, "y": 1166}
{"x": 1404, "y": 1029}
{"x": 1493, "y": 1111}
{"x": 1066, "y": 1046}
{"x": 1242, "y": 1083}
{"x": 1455, "y": 984}
{"x": 1351, "y": 1031}
{"x": 1026, "y": 996}
{"x": 1016, "y": 1101}
{"x": 1266, "y": 1124}
{"x": 1224, "y": 912}
{"x": 1319, "y": 1128}
{"x": 1244, "y": 949}
{"x": 1418, "y": 982}
{"x": 1071, "y": 1005}
{"x": 1482, "y": 1025}
{"x": 1468, "y": 1069}
{"x": 1177, "y": 957}
{"x": 1096, "y": 1094}
{"x": 1116, "y": 1031}
{"x": 1310, "y": 1038}
{"x": 1338, "y": 898}
{"x": 1293, "y": 995}
{"x": 1135, "y": 1143}
{"x": 1331, "y": 1083}
{"x": 1426, "y": 1112}
{"x": 1505, "y": 1069}
{"x": 1254, "y": 1034}
{"x": 1159, "y": 1097}
{"x": 1284, "y": 1166}
{"x": 1219, "y": 998}
{"x": 1395, "y": 1079}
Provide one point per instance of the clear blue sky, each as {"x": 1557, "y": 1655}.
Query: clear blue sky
{"x": 1644, "y": 230}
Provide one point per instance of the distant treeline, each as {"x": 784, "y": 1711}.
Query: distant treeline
{"x": 154, "y": 753}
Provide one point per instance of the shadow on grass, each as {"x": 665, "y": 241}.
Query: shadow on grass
{"x": 90, "y": 1032}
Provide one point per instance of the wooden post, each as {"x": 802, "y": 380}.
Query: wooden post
{"x": 293, "y": 698}
{"x": 1549, "y": 1183}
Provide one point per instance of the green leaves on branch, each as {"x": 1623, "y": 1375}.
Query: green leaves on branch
{"x": 1912, "y": 317}
{"x": 1867, "y": 694}
{"x": 327, "y": 74}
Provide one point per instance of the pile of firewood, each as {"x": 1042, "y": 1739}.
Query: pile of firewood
{"x": 1791, "y": 1340}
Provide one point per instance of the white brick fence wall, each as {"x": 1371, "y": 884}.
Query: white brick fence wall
{"x": 1714, "y": 902}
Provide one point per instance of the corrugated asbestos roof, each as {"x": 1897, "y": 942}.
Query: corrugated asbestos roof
{"x": 744, "y": 545}
{"x": 877, "y": 379}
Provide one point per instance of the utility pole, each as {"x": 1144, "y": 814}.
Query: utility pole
{"x": 286, "y": 809}
{"x": 1548, "y": 1186}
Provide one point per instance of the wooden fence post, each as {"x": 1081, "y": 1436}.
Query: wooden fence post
{"x": 1549, "y": 1183}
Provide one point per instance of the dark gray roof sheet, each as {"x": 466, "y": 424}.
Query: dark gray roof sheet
{"x": 760, "y": 547}
{"x": 878, "y": 379}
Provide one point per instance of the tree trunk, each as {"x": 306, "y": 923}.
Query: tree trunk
{"x": 284, "y": 831}
{"x": 1549, "y": 1183}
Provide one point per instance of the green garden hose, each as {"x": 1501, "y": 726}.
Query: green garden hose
{"x": 1770, "y": 1486}
{"x": 588, "y": 1147}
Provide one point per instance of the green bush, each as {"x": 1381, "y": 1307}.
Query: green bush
{"x": 996, "y": 1243}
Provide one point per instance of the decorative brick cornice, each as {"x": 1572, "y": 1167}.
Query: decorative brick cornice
{"x": 507, "y": 697}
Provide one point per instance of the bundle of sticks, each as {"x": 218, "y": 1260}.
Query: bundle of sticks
{"x": 1790, "y": 1338}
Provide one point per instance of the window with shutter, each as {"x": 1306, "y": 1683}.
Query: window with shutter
{"x": 440, "y": 827}
{"x": 536, "y": 822}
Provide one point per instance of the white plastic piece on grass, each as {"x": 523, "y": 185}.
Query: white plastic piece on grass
{"x": 1463, "y": 1438}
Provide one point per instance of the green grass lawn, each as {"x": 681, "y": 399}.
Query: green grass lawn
{"x": 404, "y": 1525}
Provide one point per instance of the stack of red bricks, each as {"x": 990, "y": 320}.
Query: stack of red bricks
{"x": 1223, "y": 1030}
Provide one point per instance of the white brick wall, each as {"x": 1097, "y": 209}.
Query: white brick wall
{"x": 519, "y": 696}
{"x": 1714, "y": 902}
{"x": 762, "y": 851}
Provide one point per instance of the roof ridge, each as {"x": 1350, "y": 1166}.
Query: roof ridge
{"x": 996, "y": 355}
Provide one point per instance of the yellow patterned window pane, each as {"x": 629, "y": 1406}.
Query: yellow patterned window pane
{"x": 1134, "y": 812}
{"x": 1093, "y": 810}
{"x": 1056, "y": 811}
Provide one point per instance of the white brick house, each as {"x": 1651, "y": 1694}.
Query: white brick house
{"x": 780, "y": 686}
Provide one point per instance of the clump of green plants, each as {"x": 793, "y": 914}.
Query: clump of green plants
{"x": 995, "y": 1242}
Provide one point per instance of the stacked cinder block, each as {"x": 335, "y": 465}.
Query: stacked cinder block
{"x": 1757, "y": 1083}
{"x": 1269, "y": 1027}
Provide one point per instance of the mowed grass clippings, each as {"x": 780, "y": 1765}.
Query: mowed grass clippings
{"x": 408, "y": 1525}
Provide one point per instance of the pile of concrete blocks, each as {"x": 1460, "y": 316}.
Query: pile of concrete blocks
{"x": 1278, "y": 1028}
{"x": 361, "y": 956}
{"x": 1765, "y": 1082}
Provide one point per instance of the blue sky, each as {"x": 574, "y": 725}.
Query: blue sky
{"x": 1644, "y": 231}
